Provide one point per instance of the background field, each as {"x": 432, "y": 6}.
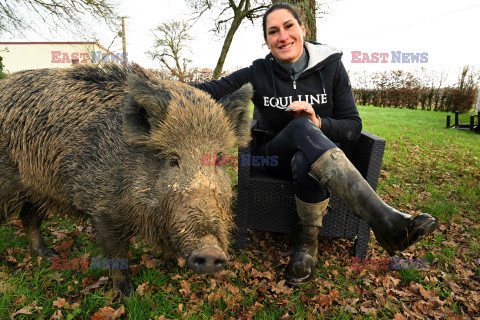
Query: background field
{"x": 426, "y": 168}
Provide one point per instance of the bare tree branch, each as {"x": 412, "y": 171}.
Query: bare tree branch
{"x": 170, "y": 44}
{"x": 19, "y": 16}
{"x": 239, "y": 10}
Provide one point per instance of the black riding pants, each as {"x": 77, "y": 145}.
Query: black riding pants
{"x": 298, "y": 146}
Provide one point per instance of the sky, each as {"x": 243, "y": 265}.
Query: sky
{"x": 444, "y": 30}
{"x": 444, "y": 33}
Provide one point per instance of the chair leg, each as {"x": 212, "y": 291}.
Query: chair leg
{"x": 361, "y": 242}
{"x": 240, "y": 238}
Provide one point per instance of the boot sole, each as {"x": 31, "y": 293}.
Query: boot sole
{"x": 296, "y": 284}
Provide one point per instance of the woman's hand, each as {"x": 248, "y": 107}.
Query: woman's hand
{"x": 304, "y": 109}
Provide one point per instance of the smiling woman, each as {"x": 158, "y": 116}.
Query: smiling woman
{"x": 305, "y": 103}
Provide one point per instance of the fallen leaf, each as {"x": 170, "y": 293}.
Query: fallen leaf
{"x": 20, "y": 300}
{"x": 64, "y": 246}
{"x": 5, "y": 287}
{"x": 368, "y": 310}
{"x": 17, "y": 223}
{"x": 103, "y": 314}
{"x": 57, "y": 315}
{"x": 350, "y": 309}
{"x": 181, "y": 262}
{"x": 118, "y": 313}
{"x": 60, "y": 303}
{"x": 142, "y": 288}
{"x": 28, "y": 309}
{"x": 97, "y": 284}
{"x": 57, "y": 276}
{"x": 185, "y": 290}
{"x": 455, "y": 288}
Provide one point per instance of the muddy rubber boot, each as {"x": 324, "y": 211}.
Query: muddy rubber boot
{"x": 302, "y": 266}
{"x": 394, "y": 230}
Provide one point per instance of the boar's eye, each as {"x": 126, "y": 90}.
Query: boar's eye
{"x": 174, "y": 161}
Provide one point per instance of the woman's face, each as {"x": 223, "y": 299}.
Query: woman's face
{"x": 284, "y": 36}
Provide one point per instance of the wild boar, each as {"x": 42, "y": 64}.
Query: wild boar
{"x": 125, "y": 149}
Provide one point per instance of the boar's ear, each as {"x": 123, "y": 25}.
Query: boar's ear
{"x": 145, "y": 107}
{"x": 236, "y": 107}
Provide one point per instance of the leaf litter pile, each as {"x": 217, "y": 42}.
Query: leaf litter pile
{"x": 253, "y": 284}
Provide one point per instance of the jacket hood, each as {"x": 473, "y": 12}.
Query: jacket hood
{"x": 321, "y": 54}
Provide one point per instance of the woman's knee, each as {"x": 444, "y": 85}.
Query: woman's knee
{"x": 300, "y": 165}
{"x": 301, "y": 123}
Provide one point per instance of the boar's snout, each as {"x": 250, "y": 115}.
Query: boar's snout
{"x": 207, "y": 260}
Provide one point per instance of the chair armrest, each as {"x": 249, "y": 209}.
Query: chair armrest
{"x": 366, "y": 154}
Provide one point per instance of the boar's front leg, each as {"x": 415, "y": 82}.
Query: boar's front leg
{"x": 114, "y": 239}
{"x": 32, "y": 222}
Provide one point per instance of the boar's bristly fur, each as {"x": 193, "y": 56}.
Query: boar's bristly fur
{"x": 124, "y": 148}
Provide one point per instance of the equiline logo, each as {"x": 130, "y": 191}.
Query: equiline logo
{"x": 284, "y": 102}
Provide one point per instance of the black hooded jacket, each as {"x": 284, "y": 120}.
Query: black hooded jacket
{"x": 324, "y": 84}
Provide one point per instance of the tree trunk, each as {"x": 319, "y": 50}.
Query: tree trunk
{"x": 307, "y": 12}
{"x": 226, "y": 46}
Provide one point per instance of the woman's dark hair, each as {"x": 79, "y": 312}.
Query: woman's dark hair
{"x": 276, "y": 6}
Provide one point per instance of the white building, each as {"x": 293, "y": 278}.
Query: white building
{"x": 36, "y": 55}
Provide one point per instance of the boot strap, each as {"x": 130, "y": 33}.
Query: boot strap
{"x": 328, "y": 175}
{"x": 319, "y": 165}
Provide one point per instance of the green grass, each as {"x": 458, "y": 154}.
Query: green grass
{"x": 439, "y": 165}
{"x": 426, "y": 168}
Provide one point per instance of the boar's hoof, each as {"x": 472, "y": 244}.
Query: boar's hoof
{"x": 207, "y": 260}
{"x": 43, "y": 251}
{"x": 123, "y": 288}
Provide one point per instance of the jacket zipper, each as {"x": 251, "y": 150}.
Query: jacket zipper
{"x": 294, "y": 88}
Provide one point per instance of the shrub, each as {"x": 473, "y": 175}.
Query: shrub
{"x": 402, "y": 89}
{"x": 2, "y": 75}
{"x": 195, "y": 75}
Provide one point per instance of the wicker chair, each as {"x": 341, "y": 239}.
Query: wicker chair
{"x": 266, "y": 203}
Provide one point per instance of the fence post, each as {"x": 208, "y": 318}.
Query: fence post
{"x": 456, "y": 118}
{"x": 478, "y": 101}
{"x": 448, "y": 121}
{"x": 472, "y": 122}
